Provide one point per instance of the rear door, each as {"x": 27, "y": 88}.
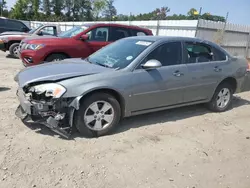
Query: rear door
{"x": 98, "y": 38}
{"x": 205, "y": 66}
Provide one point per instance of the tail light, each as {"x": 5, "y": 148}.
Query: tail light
{"x": 248, "y": 68}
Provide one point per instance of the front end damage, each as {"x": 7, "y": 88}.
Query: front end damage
{"x": 57, "y": 114}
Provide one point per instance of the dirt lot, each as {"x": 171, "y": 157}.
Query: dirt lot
{"x": 186, "y": 147}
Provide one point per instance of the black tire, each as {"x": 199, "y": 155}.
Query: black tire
{"x": 212, "y": 105}
{"x": 54, "y": 57}
{"x": 79, "y": 115}
{"x": 12, "y": 49}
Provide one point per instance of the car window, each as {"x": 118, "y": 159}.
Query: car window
{"x": 198, "y": 53}
{"x": 72, "y": 32}
{"x": 119, "y": 54}
{"x": 219, "y": 55}
{"x": 98, "y": 34}
{"x": 2, "y": 22}
{"x": 15, "y": 24}
{"x": 118, "y": 33}
{"x": 168, "y": 54}
{"x": 50, "y": 30}
{"x": 136, "y": 32}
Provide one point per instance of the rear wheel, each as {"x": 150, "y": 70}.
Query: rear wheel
{"x": 14, "y": 50}
{"x": 222, "y": 99}
{"x": 55, "y": 57}
{"x": 98, "y": 115}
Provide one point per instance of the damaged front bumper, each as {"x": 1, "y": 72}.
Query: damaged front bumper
{"x": 57, "y": 116}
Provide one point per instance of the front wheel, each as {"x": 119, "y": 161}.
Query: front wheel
{"x": 222, "y": 99}
{"x": 14, "y": 50}
{"x": 98, "y": 115}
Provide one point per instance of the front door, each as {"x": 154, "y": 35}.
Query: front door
{"x": 163, "y": 86}
{"x": 98, "y": 38}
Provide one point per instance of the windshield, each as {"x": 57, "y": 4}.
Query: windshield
{"x": 72, "y": 32}
{"x": 119, "y": 54}
{"x": 33, "y": 30}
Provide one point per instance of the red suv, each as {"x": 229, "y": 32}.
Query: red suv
{"x": 80, "y": 41}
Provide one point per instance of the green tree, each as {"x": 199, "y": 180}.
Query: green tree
{"x": 46, "y": 7}
{"x": 36, "y": 6}
{"x": 110, "y": 11}
{"x": 98, "y": 7}
{"x": 57, "y": 7}
{"x": 22, "y": 10}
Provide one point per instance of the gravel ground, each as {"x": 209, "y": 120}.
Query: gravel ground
{"x": 183, "y": 148}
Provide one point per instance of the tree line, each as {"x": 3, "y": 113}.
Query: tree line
{"x": 89, "y": 10}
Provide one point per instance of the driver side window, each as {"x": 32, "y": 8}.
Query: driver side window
{"x": 168, "y": 54}
{"x": 99, "y": 34}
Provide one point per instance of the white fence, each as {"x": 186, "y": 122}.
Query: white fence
{"x": 234, "y": 38}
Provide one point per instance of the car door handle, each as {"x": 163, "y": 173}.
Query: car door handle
{"x": 217, "y": 69}
{"x": 178, "y": 74}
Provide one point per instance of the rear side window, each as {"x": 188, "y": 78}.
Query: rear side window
{"x": 15, "y": 24}
{"x": 136, "y": 32}
{"x": 119, "y": 33}
{"x": 219, "y": 55}
{"x": 100, "y": 34}
{"x": 198, "y": 53}
{"x": 2, "y": 22}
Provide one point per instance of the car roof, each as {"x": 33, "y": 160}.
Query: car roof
{"x": 172, "y": 38}
{"x": 115, "y": 24}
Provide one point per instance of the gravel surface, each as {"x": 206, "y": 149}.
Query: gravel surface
{"x": 182, "y": 148}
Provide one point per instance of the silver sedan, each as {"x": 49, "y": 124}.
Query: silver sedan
{"x": 132, "y": 76}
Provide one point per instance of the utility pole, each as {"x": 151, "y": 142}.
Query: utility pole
{"x": 224, "y": 28}
{"x": 198, "y": 21}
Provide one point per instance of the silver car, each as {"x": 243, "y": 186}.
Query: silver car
{"x": 132, "y": 76}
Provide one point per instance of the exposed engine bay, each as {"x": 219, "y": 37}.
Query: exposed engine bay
{"x": 39, "y": 104}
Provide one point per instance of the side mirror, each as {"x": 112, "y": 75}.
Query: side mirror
{"x": 39, "y": 33}
{"x": 151, "y": 64}
{"x": 84, "y": 37}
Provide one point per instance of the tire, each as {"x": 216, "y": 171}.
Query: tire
{"x": 215, "y": 105}
{"x": 55, "y": 57}
{"x": 13, "y": 49}
{"x": 88, "y": 129}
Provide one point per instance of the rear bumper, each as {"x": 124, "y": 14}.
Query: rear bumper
{"x": 244, "y": 85}
{"x": 45, "y": 114}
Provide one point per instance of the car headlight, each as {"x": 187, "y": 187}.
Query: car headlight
{"x": 34, "y": 46}
{"x": 49, "y": 90}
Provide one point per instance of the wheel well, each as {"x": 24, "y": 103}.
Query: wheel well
{"x": 12, "y": 42}
{"x": 62, "y": 53}
{"x": 112, "y": 92}
{"x": 232, "y": 81}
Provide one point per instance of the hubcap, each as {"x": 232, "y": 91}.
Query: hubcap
{"x": 99, "y": 115}
{"x": 15, "y": 51}
{"x": 223, "y": 98}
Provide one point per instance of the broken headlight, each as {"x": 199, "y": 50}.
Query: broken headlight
{"x": 50, "y": 90}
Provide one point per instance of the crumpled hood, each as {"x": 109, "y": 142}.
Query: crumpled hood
{"x": 34, "y": 37}
{"x": 13, "y": 33}
{"x": 54, "y": 71}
